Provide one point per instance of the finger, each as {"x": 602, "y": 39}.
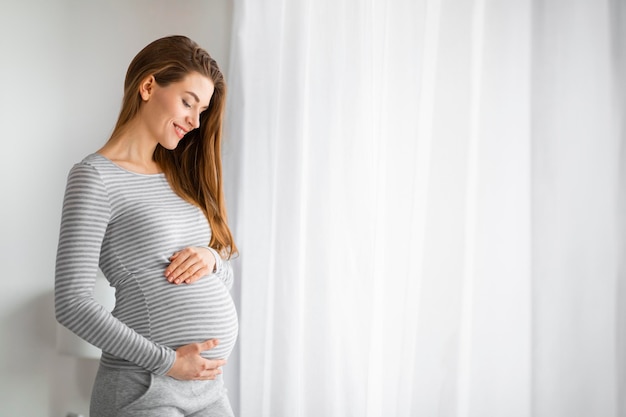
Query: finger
{"x": 215, "y": 363}
{"x": 192, "y": 273}
{"x": 179, "y": 266}
{"x": 210, "y": 375}
{"x": 180, "y": 256}
{"x": 199, "y": 273}
{"x": 213, "y": 368}
{"x": 216, "y": 373}
{"x": 208, "y": 344}
{"x": 176, "y": 260}
{"x": 187, "y": 270}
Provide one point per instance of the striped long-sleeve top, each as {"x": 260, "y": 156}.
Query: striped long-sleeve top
{"x": 129, "y": 225}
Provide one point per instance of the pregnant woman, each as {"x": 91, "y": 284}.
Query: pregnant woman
{"x": 148, "y": 209}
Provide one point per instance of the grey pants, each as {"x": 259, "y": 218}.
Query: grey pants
{"x": 123, "y": 393}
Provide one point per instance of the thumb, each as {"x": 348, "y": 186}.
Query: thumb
{"x": 209, "y": 344}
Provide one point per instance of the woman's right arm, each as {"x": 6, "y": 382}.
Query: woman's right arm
{"x": 86, "y": 214}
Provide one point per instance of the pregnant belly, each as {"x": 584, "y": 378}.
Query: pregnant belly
{"x": 189, "y": 313}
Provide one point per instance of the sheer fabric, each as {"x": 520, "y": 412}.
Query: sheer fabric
{"x": 394, "y": 205}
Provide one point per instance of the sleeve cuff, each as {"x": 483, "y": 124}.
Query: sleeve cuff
{"x": 219, "y": 262}
{"x": 169, "y": 357}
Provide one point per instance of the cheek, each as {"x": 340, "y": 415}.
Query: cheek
{"x": 165, "y": 106}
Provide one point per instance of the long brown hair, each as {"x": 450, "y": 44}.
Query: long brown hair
{"x": 194, "y": 168}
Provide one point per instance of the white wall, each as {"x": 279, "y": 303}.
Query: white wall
{"x": 61, "y": 71}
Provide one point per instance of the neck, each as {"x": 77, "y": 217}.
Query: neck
{"x": 132, "y": 148}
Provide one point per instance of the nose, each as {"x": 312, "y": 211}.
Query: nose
{"x": 194, "y": 120}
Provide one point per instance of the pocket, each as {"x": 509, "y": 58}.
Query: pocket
{"x": 134, "y": 389}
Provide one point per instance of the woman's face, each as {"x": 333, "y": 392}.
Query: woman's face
{"x": 172, "y": 111}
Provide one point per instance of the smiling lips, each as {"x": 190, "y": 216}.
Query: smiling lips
{"x": 180, "y": 131}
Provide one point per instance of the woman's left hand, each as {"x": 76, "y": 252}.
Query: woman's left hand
{"x": 189, "y": 265}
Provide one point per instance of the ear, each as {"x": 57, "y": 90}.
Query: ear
{"x": 146, "y": 88}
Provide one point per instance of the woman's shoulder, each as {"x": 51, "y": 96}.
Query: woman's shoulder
{"x": 89, "y": 166}
{"x": 97, "y": 163}
{"x": 93, "y": 160}
{"x": 85, "y": 178}
{"x": 108, "y": 167}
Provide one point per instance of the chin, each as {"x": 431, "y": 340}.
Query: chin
{"x": 170, "y": 146}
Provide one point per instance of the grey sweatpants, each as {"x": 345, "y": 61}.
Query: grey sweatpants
{"x": 123, "y": 393}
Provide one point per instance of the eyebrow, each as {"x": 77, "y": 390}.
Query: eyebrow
{"x": 195, "y": 96}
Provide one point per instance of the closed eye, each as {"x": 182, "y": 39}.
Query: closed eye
{"x": 186, "y": 104}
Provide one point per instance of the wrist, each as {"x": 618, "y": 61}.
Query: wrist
{"x": 218, "y": 259}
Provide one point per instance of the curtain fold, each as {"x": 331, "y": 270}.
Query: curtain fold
{"x": 393, "y": 200}
{"x": 618, "y": 52}
{"x": 576, "y": 192}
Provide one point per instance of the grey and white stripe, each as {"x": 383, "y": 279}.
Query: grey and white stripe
{"x": 129, "y": 225}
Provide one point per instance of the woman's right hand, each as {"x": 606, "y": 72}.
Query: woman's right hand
{"x": 190, "y": 365}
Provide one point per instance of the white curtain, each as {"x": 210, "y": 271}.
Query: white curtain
{"x": 425, "y": 198}
{"x": 578, "y": 136}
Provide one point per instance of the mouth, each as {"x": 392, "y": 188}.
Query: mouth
{"x": 180, "y": 131}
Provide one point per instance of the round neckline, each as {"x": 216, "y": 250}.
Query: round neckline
{"x": 121, "y": 168}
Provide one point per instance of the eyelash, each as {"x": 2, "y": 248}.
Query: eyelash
{"x": 186, "y": 104}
